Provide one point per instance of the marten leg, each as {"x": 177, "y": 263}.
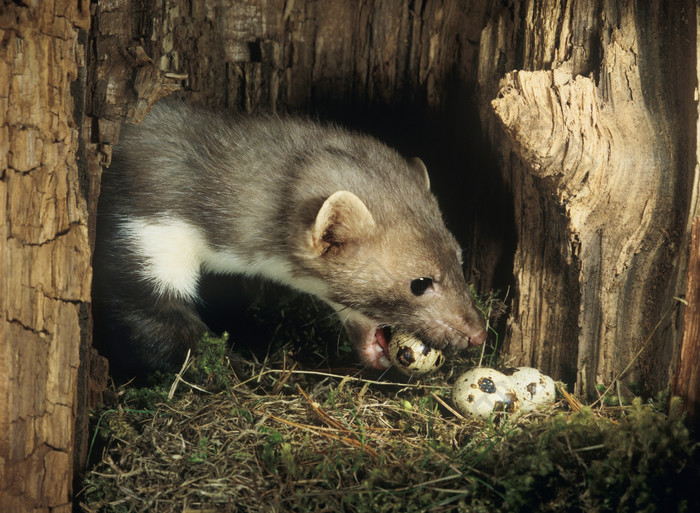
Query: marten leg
{"x": 138, "y": 329}
{"x": 148, "y": 333}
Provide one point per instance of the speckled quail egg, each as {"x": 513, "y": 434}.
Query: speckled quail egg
{"x": 533, "y": 387}
{"x": 482, "y": 392}
{"x": 411, "y": 356}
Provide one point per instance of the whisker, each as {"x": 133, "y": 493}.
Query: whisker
{"x": 315, "y": 321}
{"x": 436, "y": 332}
{"x": 330, "y": 315}
{"x": 364, "y": 366}
{"x": 381, "y": 376}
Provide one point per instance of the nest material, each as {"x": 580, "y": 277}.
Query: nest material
{"x": 320, "y": 443}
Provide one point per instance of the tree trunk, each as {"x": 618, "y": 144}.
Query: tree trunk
{"x": 45, "y": 274}
{"x": 595, "y": 133}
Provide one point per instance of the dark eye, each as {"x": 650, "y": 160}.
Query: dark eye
{"x": 420, "y": 285}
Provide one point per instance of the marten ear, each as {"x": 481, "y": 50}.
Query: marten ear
{"x": 342, "y": 218}
{"x": 418, "y": 166}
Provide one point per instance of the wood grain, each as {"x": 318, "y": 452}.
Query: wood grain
{"x": 45, "y": 274}
{"x": 686, "y": 380}
{"x": 598, "y": 154}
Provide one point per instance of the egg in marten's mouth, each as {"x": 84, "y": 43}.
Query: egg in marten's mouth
{"x": 386, "y": 346}
{"x": 404, "y": 351}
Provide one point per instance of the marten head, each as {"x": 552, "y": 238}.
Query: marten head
{"x": 393, "y": 267}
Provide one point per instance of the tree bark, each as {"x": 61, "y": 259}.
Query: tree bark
{"x": 686, "y": 381}
{"x": 596, "y": 145}
{"x": 45, "y": 274}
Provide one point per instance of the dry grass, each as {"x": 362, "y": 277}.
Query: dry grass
{"x": 319, "y": 442}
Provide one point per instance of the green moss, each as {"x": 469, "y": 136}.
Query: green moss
{"x": 210, "y": 367}
{"x": 647, "y": 461}
{"x": 586, "y": 463}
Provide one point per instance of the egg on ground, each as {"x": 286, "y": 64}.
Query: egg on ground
{"x": 483, "y": 392}
{"x": 412, "y": 356}
{"x": 532, "y": 386}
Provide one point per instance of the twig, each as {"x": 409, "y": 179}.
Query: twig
{"x": 178, "y": 378}
{"x": 339, "y": 376}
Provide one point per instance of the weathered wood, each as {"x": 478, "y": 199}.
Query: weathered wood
{"x": 591, "y": 139}
{"x": 686, "y": 380}
{"x": 45, "y": 274}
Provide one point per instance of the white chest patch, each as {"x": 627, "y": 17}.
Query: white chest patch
{"x": 171, "y": 253}
{"x": 174, "y": 253}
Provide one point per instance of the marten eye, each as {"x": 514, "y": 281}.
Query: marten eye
{"x": 420, "y": 285}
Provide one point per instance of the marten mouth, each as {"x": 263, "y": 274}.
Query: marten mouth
{"x": 375, "y": 346}
{"x": 382, "y": 336}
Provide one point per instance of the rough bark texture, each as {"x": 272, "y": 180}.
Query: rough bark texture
{"x": 596, "y": 145}
{"x": 686, "y": 381}
{"x": 45, "y": 273}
